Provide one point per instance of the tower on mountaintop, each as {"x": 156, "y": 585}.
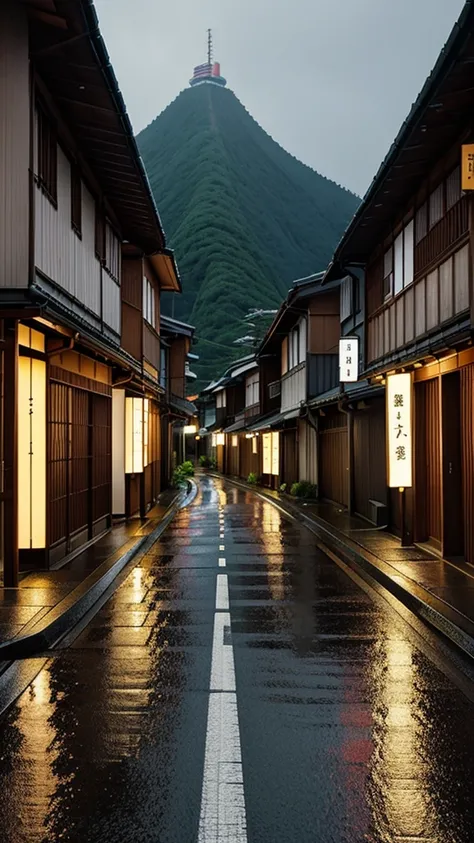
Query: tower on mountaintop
{"x": 210, "y": 72}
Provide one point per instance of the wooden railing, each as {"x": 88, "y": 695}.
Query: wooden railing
{"x": 427, "y": 303}
{"x": 253, "y": 410}
{"x": 442, "y": 237}
{"x": 293, "y": 387}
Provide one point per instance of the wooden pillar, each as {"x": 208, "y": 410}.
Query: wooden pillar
{"x": 10, "y": 455}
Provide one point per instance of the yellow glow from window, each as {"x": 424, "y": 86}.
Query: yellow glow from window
{"x": 271, "y": 453}
{"x": 134, "y": 412}
{"x": 30, "y": 338}
{"x": 189, "y": 428}
{"x": 235, "y": 441}
{"x": 275, "y": 453}
{"x": 31, "y": 466}
{"x": 267, "y": 453}
{"x": 145, "y": 431}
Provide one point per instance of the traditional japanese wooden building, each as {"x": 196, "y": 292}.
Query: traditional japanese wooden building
{"x": 412, "y": 237}
{"x": 300, "y": 351}
{"x": 83, "y": 261}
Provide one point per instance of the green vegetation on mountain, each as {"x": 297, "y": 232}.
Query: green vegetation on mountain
{"x": 244, "y": 217}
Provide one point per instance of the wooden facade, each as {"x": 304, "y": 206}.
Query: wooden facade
{"x": 15, "y": 134}
{"x": 333, "y": 458}
{"x": 369, "y": 464}
{"x": 412, "y": 237}
{"x": 82, "y": 320}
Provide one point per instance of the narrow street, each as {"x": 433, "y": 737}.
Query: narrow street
{"x": 309, "y": 714}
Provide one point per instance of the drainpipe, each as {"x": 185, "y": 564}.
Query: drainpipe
{"x": 68, "y": 346}
{"x": 124, "y": 380}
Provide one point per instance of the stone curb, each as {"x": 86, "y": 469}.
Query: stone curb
{"x": 68, "y": 612}
{"x": 425, "y": 605}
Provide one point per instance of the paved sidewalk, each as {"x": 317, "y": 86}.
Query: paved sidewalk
{"x": 22, "y": 609}
{"x": 437, "y": 590}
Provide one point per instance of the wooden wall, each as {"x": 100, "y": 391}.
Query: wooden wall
{"x": 79, "y": 448}
{"x": 467, "y": 454}
{"x": 132, "y": 317}
{"x": 60, "y": 254}
{"x": 333, "y": 463}
{"x": 324, "y": 323}
{"x": 289, "y": 457}
{"x": 233, "y": 461}
{"x": 370, "y": 481}
{"x": 178, "y": 351}
{"x": 249, "y": 462}
{"x": 428, "y": 462}
{"x": 15, "y": 144}
{"x": 307, "y": 452}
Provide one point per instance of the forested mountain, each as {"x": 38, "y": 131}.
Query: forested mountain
{"x": 244, "y": 217}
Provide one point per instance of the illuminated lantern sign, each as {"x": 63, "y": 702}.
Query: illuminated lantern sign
{"x": 134, "y": 418}
{"x": 31, "y": 465}
{"x": 271, "y": 453}
{"x": 399, "y": 433}
{"x": 220, "y": 440}
{"x": 349, "y": 359}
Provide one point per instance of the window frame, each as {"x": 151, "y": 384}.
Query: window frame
{"x": 47, "y": 154}
{"x": 148, "y": 303}
{"x": 387, "y": 290}
{"x": 76, "y": 200}
{"x": 99, "y": 234}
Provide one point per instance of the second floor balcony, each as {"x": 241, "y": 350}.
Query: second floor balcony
{"x": 293, "y": 387}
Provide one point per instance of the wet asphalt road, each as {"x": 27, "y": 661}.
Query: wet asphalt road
{"x": 239, "y": 687}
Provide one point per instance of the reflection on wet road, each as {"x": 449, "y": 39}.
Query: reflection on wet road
{"x": 322, "y": 720}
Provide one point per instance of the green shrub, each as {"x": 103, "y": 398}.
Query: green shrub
{"x": 182, "y": 472}
{"x": 304, "y": 489}
{"x": 207, "y": 462}
{"x": 178, "y": 477}
{"x": 283, "y": 487}
{"x": 252, "y": 479}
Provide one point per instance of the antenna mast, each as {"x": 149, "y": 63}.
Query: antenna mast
{"x": 209, "y": 46}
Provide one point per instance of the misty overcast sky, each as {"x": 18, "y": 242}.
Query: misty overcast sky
{"x": 330, "y": 80}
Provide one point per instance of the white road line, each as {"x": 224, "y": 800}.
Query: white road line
{"x": 222, "y": 593}
{"x": 222, "y": 667}
{"x": 222, "y": 818}
{"x": 222, "y": 562}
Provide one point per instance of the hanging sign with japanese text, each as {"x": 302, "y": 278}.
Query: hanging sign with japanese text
{"x": 348, "y": 359}
{"x": 399, "y": 433}
{"x": 467, "y": 166}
